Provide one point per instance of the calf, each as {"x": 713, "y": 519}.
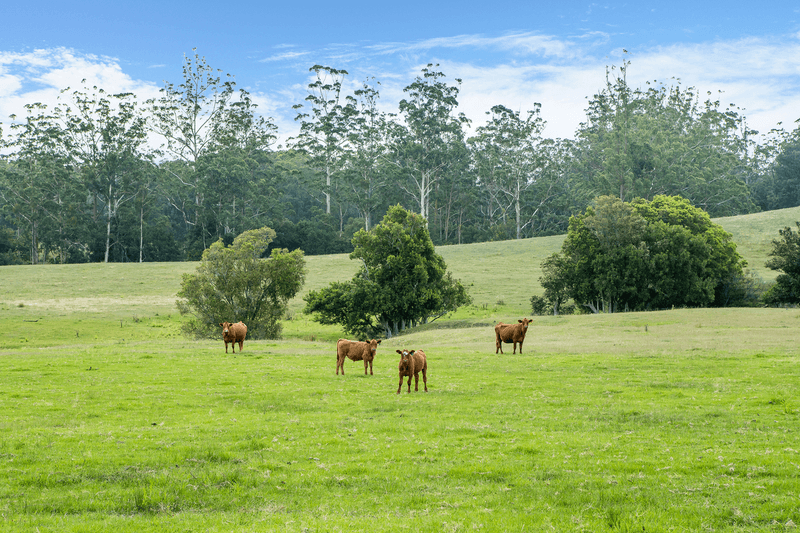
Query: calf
{"x": 509, "y": 333}
{"x": 233, "y": 333}
{"x": 411, "y": 363}
{"x": 356, "y": 351}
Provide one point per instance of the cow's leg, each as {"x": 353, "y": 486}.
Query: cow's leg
{"x": 425, "y": 379}
{"x": 366, "y": 364}
{"x": 400, "y": 385}
{"x": 416, "y": 382}
{"x": 520, "y": 347}
{"x": 409, "y": 383}
{"x": 498, "y": 345}
{"x": 339, "y": 364}
{"x": 226, "y": 346}
{"x": 241, "y": 345}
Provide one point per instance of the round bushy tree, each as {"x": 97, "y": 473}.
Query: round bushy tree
{"x": 643, "y": 255}
{"x": 235, "y": 283}
{"x": 402, "y": 282}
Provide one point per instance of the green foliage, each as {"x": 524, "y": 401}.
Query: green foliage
{"x": 663, "y": 141}
{"x": 234, "y": 283}
{"x": 9, "y": 253}
{"x": 785, "y": 258}
{"x": 643, "y": 255}
{"x": 403, "y": 281}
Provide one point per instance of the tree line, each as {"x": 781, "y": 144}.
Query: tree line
{"x": 106, "y": 177}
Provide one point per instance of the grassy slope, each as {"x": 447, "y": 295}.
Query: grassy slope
{"x": 505, "y": 271}
{"x": 666, "y": 421}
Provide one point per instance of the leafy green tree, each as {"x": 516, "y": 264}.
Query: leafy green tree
{"x": 41, "y": 194}
{"x": 643, "y": 255}
{"x": 424, "y": 145}
{"x": 662, "y": 140}
{"x": 785, "y": 258}
{"x": 235, "y": 283}
{"x": 403, "y": 281}
{"x": 323, "y": 130}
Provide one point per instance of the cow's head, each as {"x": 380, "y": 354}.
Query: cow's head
{"x": 373, "y": 345}
{"x": 225, "y": 326}
{"x": 405, "y": 356}
{"x": 525, "y": 322}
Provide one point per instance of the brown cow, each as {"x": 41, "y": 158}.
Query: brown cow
{"x": 233, "y": 333}
{"x": 411, "y": 363}
{"x": 356, "y": 351}
{"x": 509, "y": 333}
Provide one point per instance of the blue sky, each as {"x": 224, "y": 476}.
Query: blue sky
{"x": 510, "y": 53}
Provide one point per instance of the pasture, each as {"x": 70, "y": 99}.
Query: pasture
{"x": 681, "y": 420}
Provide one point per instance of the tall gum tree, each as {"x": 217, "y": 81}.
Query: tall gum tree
{"x": 107, "y": 137}
{"x": 423, "y": 145}
{"x": 639, "y": 143}
{"x": 322, "y": 130}
{"x": 509, "y": 161}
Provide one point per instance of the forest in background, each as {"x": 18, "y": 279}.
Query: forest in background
{"x": 106, "y": 177}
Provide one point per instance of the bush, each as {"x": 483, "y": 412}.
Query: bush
{"x": 234, "y": 283}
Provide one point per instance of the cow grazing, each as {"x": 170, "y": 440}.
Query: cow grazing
{"x": 510, "y": 333}
{"x": 356, "y": 351}
{"x": 233, "y": 333}
{"x": 411, "y": 364}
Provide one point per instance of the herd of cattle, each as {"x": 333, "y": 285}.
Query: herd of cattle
{"x": 412, "y": 362}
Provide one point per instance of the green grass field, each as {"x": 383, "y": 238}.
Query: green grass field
{"x": 682, "y": 420}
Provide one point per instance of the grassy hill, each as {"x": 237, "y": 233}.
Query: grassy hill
{"x": 681, "y": 420}
{"x": 499, "y": 275}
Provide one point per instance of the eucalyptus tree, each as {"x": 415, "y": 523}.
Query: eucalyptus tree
{"x": 510, "y": 162}
{"x": 40, "y": 196}
{"x": 212, "y": 136}
{"x": 187, "y": 118}
{"x": 779, "y": 183}
{"x": 322, "y": 130}
{"x": 429, "y": 136}
{"x": 365, "y": 174}
{"x": 107, "y": 137}
{"x": 663, "y": 140}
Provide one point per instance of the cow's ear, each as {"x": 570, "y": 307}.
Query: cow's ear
{"x": 379, "y": 341}
{"x": 520, "y": 321}
{"x": 220, "y": 324}
{"x": 411, "y": 352}
{"x": 398, "y": 351}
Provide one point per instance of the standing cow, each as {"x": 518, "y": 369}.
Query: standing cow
{"x": 509, "y": 333}
{"x": 411, "y": 364}
{"x": 233, "y": 333}
{"x": 356, "y": 351}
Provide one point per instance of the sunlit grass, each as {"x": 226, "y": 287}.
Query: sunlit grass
{"x": 682, "y": 420}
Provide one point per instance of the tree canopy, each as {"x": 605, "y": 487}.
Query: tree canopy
{"x": 102, "y": 177}
{"x": 785, "y": 258}
{"x": 235, "y": 283}
{"x": 403, "y": 281}
{"x": 642, "y": 255}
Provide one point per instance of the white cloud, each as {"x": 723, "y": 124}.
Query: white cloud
{"x": 760, "y": 75}
{"x": 41, "y": 75}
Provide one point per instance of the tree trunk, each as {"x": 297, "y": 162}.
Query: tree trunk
{"x": 141, "y": 231}
{"x": 108, "y": 225}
